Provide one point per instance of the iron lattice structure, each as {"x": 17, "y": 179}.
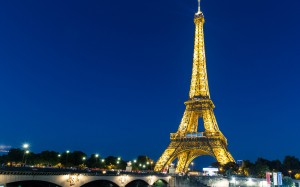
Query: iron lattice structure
{"x": 187, "y": 143}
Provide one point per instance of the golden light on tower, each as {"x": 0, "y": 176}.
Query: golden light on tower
{"x": 187, "y": 143}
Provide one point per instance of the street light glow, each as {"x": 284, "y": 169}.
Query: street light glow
{"x": 97, "y": 155}
{"x": 67, "y": 151}
{"x": 25, "y": 145}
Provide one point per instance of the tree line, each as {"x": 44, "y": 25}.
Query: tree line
{"x": 289, "y": 167}
{"x": 75, "y": 159}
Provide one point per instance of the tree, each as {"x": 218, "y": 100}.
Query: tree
{"x": 291, "y": 163}
{"x": 49, "y": 158}
{"x": 287, "y": 181}
{"x": 275, "y": 165}
{"x": 77, "y": 158}
{"x": 15, "y": 155}
{"x": 260, "y": 170}
{"x": 94, "y": 162}
{"x": 230, "y": 168}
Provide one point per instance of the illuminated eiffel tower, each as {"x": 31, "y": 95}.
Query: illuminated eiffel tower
{"x": 187, "y": 143}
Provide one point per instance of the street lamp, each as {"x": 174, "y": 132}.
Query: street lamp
{"x": 192, "y": 165}
{"x": 26, "y": 152}
{"x": 96, "y": 158}
{"x": 290, "y": 171}
{"x": 151, "y": 164}
{"x": 25, "y": 147}
{"x": 67, "y": 152}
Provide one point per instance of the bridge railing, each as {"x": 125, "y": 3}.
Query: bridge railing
{"x": 57, "y": 171}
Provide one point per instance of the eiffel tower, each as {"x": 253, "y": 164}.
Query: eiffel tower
{"x": 187, "y": 143}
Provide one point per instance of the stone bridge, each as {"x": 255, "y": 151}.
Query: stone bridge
{"x": 54, "y": 179}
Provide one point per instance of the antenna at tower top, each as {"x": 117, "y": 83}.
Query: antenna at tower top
{"x": 199, "y": 7}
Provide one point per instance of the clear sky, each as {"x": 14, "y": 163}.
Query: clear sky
{"x": 111, "y": 76}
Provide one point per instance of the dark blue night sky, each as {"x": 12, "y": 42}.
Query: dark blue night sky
{"x": 111, "y": 77}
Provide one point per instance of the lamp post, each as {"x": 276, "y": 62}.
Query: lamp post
{"x": 96, "y": 158}
{"x": 26, "y": 152}
{"x": 151, "y": 165}
{"x": 83, "y": 160}
{"x": 290, "y": 171}
{"x": 192, "y": 165}
{"x": 67, "y": 154}
{"x": 25, "y": 147}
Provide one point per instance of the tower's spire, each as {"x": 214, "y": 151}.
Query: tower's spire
{"x": 199, "y": 83}
{"x": 199, "y": 11}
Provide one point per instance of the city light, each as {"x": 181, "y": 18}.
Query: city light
{"x": 27, "y": 152}
{"x": 103, "y": 160}
{"x": 67, "y": 151}
{"x": 119, "y": 158}
{"x": 97, "y": 155}
{"x": 25, "y": 145}
{"x": 59, "y": 155}
{"x": 134, "y": 161}
{"x": 232, "y": 180}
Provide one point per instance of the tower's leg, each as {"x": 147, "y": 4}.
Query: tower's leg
{"x": 210, "y": 122}
{"x": 165, "y": 159}
{"x": 182, "y": 162}
{"x": 222, "y": 155}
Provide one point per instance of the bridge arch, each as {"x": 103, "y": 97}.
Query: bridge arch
{"x": 160, "y": 183}
{"x": 31, "y": 183}
{"x": 12, "y": 179}
{"x": 102, "y": 183}
{"x": 137, "y": 183}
